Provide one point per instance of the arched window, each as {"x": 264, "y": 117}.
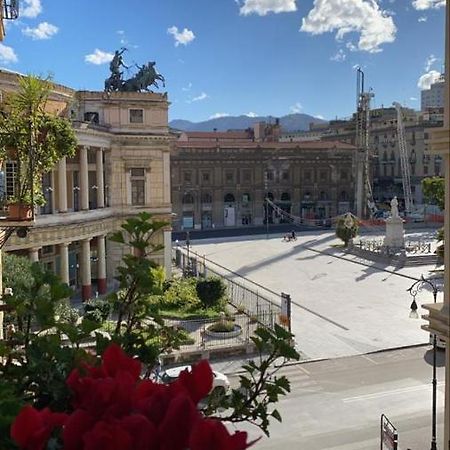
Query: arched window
{"x": 285, "y": 197}
{"x": 188, "y": 198}
{"x": 229, "y": 198}
{"x": 206, "y": 197}
{"x": 343, "y": 196}
{"x": 323, "y": 195}
{"x": 392, "y": 156}
{"x": 385, "y": 156}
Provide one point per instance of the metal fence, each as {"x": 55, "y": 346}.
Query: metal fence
{"x": 247, "y": 297}
{"x": 199, "y": 335}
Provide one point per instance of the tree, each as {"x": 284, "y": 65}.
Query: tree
{"x": 434, "y": 190}
{"x": 347, "y": 228}
{"x": 34, "y": 137}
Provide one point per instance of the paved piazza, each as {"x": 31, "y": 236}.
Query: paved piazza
{"x": 344, "y": 305}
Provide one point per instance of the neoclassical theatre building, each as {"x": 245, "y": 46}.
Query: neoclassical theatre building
{"x": 221, "y": 179}
{"x": 122, "y": 167}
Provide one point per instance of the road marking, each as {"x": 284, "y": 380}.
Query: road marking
{"x": 375, "y": 395}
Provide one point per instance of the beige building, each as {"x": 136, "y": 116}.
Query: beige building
{"x": 122, "y": 167}
{"x": 385, "y": 152}
{"x": 222, "y": 179}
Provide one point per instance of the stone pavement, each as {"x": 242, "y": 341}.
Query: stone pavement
{"x": 342, "y": 304}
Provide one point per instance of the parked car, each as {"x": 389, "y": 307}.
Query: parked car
{"x": 416, "y": 216}
{"x": 440, "y": 343}
{"x": 220, "y": 380}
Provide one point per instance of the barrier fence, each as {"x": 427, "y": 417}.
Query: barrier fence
{"x": 260, "y": 304}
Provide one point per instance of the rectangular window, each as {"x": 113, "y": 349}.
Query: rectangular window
{"x": 10, "y": 178}
{"x": 307, "y": 174}
{"x": 205, "y": 177}
{"x": 425, "y": 170}
{"x": 285, "y": 175}
{"x": 136, "y": 116}
{"x": 323, "y": 176}
{"x": 138, "y": 192}
{"x": 270, "y": 175}
{"x": 187, "y": 177}
{"x": 343, "y": 174}
{"x": 137, "y": 186}
{"x": 229, "y": 177}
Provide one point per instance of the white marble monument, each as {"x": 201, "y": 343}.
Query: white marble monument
{"x": 395, "y": 233}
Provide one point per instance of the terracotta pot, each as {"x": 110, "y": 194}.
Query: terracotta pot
{"x": 19, "y": 211}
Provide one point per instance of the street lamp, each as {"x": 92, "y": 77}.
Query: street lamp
{"x": 413, "y": 291}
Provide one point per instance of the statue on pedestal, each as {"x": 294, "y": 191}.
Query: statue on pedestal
{"x": 145, "y": 77}
{"x": 394, "y": 208}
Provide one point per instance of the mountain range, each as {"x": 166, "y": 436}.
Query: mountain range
{"x": 290, "y": 122}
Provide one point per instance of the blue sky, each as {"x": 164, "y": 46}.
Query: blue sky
{"x": 234, "y": 57}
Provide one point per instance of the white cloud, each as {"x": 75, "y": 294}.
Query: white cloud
{"x": 413, "y": 99}
{"x": 219, "y": 115}
{"x": 7, "y": 54}
{"x": 200, "y": 97}
{"x": 263, "y": 7}
{"x": 375, "y": 25}
{"x": 429, "y": 62}
{"x": 422, "y": 19}
{"x": 181, "y": 37}
{"x": 32, "y": 8}
{"x": 420, "y": 5}
{"x": 319, "y": 116}
{"x": 296, "y": 108}
{"x": 44, "y": 30}
{"x": 427, "y": 79}
{"x": 339, "y": 56}
{"x": 251, "y": 114}
{"x": 99, "y": 57}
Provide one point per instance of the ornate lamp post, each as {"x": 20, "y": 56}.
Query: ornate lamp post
{"x": 413, "y": 291}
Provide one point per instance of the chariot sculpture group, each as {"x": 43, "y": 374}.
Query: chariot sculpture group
{"x": 143, "y": 80}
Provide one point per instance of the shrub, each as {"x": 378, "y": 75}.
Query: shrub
{"x": 66, "y": 313}
{"x": 181, "y": 294}
{"x": 347, "y": 228}
{"x": 97, "y": 310}
{"x": 222, "y": 326}
{"x": 210, "y": 291}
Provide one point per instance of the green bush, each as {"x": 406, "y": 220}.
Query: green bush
{"x": 210, "y": 291}
{"x": 181, "y": 294}
{"x": 347, "y": 228}
{"x": 66, "y": 313}
{"x": 97, "y": 310}
{"x": 222, "y": 327}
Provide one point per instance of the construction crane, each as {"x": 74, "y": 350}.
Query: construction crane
{"x": 404, "y": 160}
{"x": 364, "y": 195}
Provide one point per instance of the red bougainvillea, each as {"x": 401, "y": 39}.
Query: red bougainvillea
{"x": 115, "y": 410}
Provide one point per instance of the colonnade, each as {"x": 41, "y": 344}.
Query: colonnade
{"x": 84, "y": 264}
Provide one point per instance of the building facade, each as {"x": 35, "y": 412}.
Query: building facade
{"x": 221, "y": 180}
{"x": 433, "y": 97}
{"x": 122, "y": 167}
{"x": 386, "y": 170}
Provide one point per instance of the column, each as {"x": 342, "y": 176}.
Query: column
{"x": 62, "y": 185}
{"x": 166, "y": 177}
{"x": 101, "y": 265}
{"x": 168, "y": 253}
{"x": 33, "y": 254}
{"x": 85, "y": 263}
{"x": 64, "y": 265}
{"x": 84, "y": 179}
{"x": 100, "y": 179}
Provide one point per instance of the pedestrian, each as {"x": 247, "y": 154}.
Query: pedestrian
{"x": 293, "y": 237}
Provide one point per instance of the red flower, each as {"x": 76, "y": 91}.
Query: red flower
{"x": 107, "y": 435}
{"x": 32, "y": 428}
{"x": 76, "y": 426}
{"x": 116, "y": 360}
{"x": 198, "y": 382}
{"x": 211, "y": 434}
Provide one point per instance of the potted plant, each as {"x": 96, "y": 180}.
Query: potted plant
{"x": 35, "y": 138}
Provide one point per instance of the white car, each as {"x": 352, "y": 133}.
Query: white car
{"x": 220, "y": 380}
